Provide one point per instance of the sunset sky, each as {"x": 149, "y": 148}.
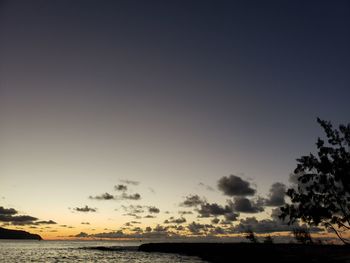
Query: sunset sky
{"x": 121, "y": 111}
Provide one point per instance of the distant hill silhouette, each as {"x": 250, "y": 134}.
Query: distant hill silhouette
{"x": 17, "y": 234}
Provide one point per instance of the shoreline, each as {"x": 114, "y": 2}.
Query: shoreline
{"x": 229, "y": 252}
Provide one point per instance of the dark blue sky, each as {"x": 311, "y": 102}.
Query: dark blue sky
{"x": 167, "y": 91}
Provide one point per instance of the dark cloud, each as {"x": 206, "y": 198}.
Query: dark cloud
{"x": 49, "y": 222}
{"x": 7, "y": 211}
{"x": 153, "y": 209}
{"x": 137, "y": 230}
{"x": 85, "y": 209}
{"x": 229, "y": 217}
{"x": 173, "y": 220}
{"x": 133, "y": 214}
{"x": 135, "y": 209}
{"x": 130, "y": 182}
{"x": 18, "y": 220}
{"x": 215, "y": 220}
{"x": 268, "y": 226}
{"x": 207, "y": 187}
{"x": 209, "y": 210}
{"x": 160, "y": 228}
{"x": 85, "y": 223}
{"x": 276, "y": 195}
{"x": 262, "y": 226}
{"x": 178, "y": 227}
{"x": 218, "y": 231}
{"x": 158, "y": 231}
{"x": 149, "y": 216}
{"x": 125, "y": 196}
{"x": 196, "y": 228}
{"x": 185, "y": 212}
{"x": 244, "y": 205}
{"x": 192, "y": 201}
{"x": 9, "y": 216}
{"x": 275, "y": 214}
{"x": 215, "y": 210}
{"x": 235, "y": 186}
{"x": 120, "y": 187}
{"x": 66, "y": 226}
{"x": 105, "y": 196}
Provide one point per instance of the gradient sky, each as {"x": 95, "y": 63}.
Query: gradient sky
{"x": 167, "y": 93}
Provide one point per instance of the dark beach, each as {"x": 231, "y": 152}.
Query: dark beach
{"x": 235, "y": 252}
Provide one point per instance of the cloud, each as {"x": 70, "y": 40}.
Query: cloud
{"x": 158, "y": 231}
{"x": 66, "y": 226}
{"x": 185, "y": 212}
{"x": 215, "y": 220}
{"x": 137, "y": 230}
{"x": 173, "y": 220}
{"x": 151, "y": 190}
{"x": 105, "y": 196}
{"x": 269, "y": 225}
{"x": 208, "y": 210}
{"x": 262, "y": 226}
{"x": 244, "y": 205}
{"x": 130, "y": 182}
{"x": 85, "y": 223}
{"x": 229, "y": 217}
{"x": 192, "y": 201}
{"x": 149, "y": 216}
{"x": 9, "y": 216}
{"x": 234, "y": 186}
{"x": 49, "y": 222}
{"x": 218, "y": 231}
{"x": 153, "y": 209}
{"x": 215, "y": 210}
{"x": 125, "y": 196}
{"x": 7, "y": 211}
{"x": 120, "y": 187}
{"x": 18, "y": 220}
{"x": 135, "y": 209}
{"x": 132, "y": 214}
{"x": 207, "y": 187}
{"x": 197, "y": 228}
{"x": 276, "y": 195}
{"x": 85, "y": 209}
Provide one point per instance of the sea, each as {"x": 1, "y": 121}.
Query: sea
{"x": 15, "y": 251}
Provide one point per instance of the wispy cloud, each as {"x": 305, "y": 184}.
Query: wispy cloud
{"x": 85, "y": 209}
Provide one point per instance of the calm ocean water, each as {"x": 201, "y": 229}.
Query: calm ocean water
{"x": 80, "y": 251}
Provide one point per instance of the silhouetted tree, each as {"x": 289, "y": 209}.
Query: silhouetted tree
{"x": 251, "y": 236}
{"x": 302, "y": 235}
{"x": 322, "y": 194}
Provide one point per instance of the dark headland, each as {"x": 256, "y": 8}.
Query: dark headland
{"x": 237, "y": 252}
{"x": 17, "y": 234}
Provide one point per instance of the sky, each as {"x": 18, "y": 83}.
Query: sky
{"x": 170, "y": 100}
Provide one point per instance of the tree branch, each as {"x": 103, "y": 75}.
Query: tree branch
{"x": 344, "y": 240}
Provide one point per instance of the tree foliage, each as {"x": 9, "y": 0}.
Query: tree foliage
{"x": 322, "y": 193}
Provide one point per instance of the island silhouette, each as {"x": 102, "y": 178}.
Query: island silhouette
{"x": 17, "y": 234}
